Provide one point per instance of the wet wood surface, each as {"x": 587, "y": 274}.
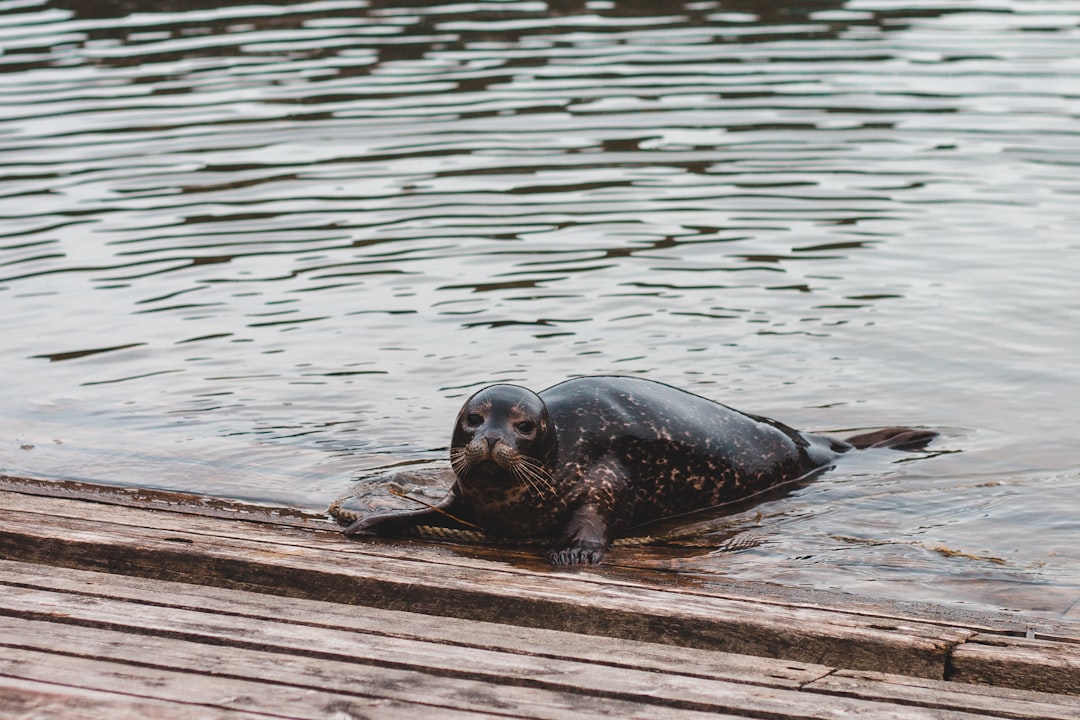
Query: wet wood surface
{"x": 113, "y": 611}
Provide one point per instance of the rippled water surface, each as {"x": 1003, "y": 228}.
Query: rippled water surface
{"x": 259, "y": 250}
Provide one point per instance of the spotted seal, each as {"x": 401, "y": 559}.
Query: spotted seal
{"x": 588, "y": 458}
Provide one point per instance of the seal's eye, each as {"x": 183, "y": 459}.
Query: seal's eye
{"x": 525, "y": 427}
{"x": 474, "y": 420}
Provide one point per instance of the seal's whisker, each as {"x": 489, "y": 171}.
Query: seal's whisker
{"x": 544, "y": 480}
{"x": 460, "y": 460}
{"x": 521, "y": 474}
{"x": 519, "y": 470}
{"x": 539, "y": 484}
{"x": 540, "y": 472}
{"x": 533, "y": 472}
{"x": 516, "y": 469}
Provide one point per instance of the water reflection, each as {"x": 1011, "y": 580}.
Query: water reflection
{"x": 258, "y": 249}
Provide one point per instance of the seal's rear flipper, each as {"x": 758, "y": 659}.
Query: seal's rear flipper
{"x": 893, "y": 438}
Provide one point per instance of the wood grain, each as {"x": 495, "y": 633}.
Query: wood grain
{"x": 1018, "y": 662}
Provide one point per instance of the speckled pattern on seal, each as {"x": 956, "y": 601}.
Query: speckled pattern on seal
{"x": 590, "y": 457}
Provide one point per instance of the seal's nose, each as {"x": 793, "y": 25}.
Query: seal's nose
{"x": 491, "y": 442}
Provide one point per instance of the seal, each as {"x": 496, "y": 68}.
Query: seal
{"x": 591, "y": 457}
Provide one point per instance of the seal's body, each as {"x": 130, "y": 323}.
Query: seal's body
{"x": 588, "y": 458}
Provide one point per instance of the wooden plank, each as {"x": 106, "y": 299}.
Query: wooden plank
{"x": 345, "y": 646}
{"x": 988, "y": 701}
{"x": 144, "y": 668}
{"x": 331, "y": 568}
{"x": 199, "y": 669}
{"x": 157, "y": 641}
{"x": 612, "y": 652}
{"x": 172, "y": 613}
{"x": 440, "y": 665}
{"x": 32, "y": 700}
{"x": 297, "y": 687}
{"x": 1018, "y": 662}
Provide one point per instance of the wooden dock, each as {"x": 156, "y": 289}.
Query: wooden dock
{"x": 118, "y": 604}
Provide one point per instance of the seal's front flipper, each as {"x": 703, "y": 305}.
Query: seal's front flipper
{"x": 390, "y": 522}
{"x": 893, "y": 438}
{"x": 584, "y": 541}
{"x": 448, "y": 513}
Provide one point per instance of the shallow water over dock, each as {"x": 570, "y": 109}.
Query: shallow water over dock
{"x": 261, "y": 250}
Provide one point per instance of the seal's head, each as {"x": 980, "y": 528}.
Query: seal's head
{"x": 503, "y": 435}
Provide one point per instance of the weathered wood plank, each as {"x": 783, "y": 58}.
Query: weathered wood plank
{"x": 336, "y": 570}
{"x": 284, "y": 686}
{"x": 89, "y": 599}
{"x": 989, "y": 701}
{"x": 1018, "y": 662}
{"x": 345, "y": 646}
{"x": 185, "y": 669}
{"x": 369, "y": 653}
{"x": 67, "y": 589}
{"x": 612, "y": 652}
{"x": 151, "y": 665}
{"x": 32, "y": 700}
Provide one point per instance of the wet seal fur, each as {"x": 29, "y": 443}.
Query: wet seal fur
{"x": 589, "y": 458}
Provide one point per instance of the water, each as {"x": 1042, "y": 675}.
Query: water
{"x": 258, "y": 251}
